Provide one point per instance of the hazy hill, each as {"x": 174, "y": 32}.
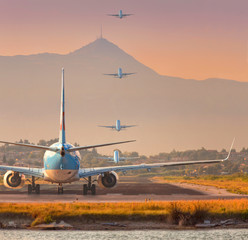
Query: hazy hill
{"x": 171, "y": 112}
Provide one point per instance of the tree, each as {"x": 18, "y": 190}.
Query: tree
{"x": 42, "y": 142}
{"x": 11, "y": 161}
{"x": 76, "y": 144}
{"x": 4, "y": 159}
{"x": 133, "y": 154}
{"x": 94, "y": 152}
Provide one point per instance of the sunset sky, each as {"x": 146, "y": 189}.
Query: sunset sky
{"x": 191, "y": 39}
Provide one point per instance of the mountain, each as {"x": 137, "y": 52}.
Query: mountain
{"x": 172, "y": 113}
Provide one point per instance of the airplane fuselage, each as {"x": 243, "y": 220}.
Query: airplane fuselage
{"x": 118, "y": 125}
{"x": 119, "y": 72}
{"x": 116, "y": 156}
{"x": 120, "y": 14}
{"x": 61, "y": 169}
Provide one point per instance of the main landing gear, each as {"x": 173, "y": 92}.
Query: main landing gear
{"x": 60, "y": 189}
{"x": 89, "y": 187}
{"x": 33, "y": 188}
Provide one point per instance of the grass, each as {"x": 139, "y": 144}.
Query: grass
{"x": 236, "y": 183}
{"x": 186, "y": 212}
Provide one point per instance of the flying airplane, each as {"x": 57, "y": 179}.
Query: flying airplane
{"x": 120, "y": 15}
{"x": 117, "y": 158}
{"x": 119, "y": 74}
{"x": 118, "y": 127}
{"x": 61, "y": 164}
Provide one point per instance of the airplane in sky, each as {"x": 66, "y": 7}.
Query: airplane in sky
{"x": 117, "y": 158}
{"x": 119, "y": 74}
{"x": 62, "y": 164}
{"x": 118, "y": 127}
{"x": 120, "y": 15}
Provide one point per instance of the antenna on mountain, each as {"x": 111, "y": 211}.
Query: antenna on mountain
{"x": 101, "y": 33}
{"x": 100, "y": 37}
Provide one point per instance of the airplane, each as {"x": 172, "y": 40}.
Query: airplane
{"x": 61, "y": 160}
{"x": 118, "y": 127}
{"x": 61, "y": 164}
{"x": 119, "y": 74}
{"x": 117, "y": 158}
{"x": 120, "y": 15}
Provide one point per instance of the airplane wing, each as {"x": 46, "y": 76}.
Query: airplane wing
{"x": 36, "y": 172}
{"x": 113, "y": 127}
{"x": 128, "y": 158}
{"x": 128, "y": 126}
{"x": 94, "y": 146}
{"x": 126, "y": 74}
{"x": 105, "y": 158}
{"x": 114, "y": 15}
{"x": 86, "y": 172}
{"x": 32, "y": 146}
{"x": 126, "y": 15}
{"x": 111, "y": 74}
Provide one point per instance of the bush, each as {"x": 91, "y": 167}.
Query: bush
{"x": 48, "y": 219}
{"x": 176, "y": 214}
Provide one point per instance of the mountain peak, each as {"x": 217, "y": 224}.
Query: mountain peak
{"x": 100, "y": 45}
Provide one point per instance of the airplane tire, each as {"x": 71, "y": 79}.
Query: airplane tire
{"x": 85, "y": 189}
{"x": 93, "y": 189}
{"x": 37, "y": 189}
{"x": 60, "y": 190}
{"x": 29, "y": 189}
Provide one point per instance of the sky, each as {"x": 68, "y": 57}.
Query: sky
{"x": 196, "y": 39}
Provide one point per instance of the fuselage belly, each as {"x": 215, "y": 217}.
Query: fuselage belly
{"x": 61, "y": 169}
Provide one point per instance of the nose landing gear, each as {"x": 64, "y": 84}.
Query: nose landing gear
{"x": 60, "y": 189}
{"x": 89, "y": 187}
{"x": 33, "y": 188}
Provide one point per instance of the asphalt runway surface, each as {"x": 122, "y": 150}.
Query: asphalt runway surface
{"x": 127, "y": 190}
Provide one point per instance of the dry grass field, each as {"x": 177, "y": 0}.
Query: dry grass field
{"x": 236, "y": 183}
{"x": 189, "y": 211}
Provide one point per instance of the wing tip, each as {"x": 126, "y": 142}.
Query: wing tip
{"x": 229, "y": 153}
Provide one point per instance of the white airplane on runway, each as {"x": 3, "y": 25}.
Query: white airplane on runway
{"x": 61, "y": 164}
{"x": 117, "y": 158}
{"x": 119, "y": 74}
{"x": 118, "y": 127}
{"x": 120, "y": 15}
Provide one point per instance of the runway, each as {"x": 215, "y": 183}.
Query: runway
{"x": 125, "y": 191}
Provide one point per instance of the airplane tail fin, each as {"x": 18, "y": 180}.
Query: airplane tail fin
{"x": 62, "y": 112}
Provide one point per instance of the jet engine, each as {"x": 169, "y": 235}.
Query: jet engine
{"x": 13, "y": 180}
{"x": 108, "y": 180}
